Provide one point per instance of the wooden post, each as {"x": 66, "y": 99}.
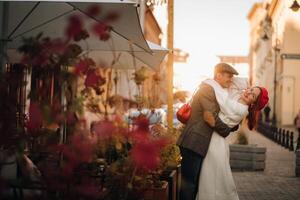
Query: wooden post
{"x": 170, "y": 63}
{"x": 287, "y": 139}
{"x": 298, "y": 141}
{"x": 275, "y": 134}
{"x": 282, "y": 141}
{"x": 279, "y": 136}
{"x": 291, "y": 148}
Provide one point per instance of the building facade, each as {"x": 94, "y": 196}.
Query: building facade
{"x": 274, "y": 56}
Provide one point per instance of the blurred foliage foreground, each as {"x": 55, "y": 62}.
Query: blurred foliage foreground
{"x": 50, "y": 152}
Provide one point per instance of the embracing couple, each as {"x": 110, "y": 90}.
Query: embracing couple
{"x": 218, "y": 106}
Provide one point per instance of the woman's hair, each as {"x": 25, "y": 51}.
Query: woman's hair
{"x": 253, "y": 112}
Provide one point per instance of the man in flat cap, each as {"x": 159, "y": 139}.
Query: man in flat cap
{"x": 223, "y": 74}
{"x": 196, "y": 135}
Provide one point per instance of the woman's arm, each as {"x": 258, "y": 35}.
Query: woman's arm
{"x": 210, "y": 119}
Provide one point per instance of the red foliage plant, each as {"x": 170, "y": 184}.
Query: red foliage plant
{"x": 146, "y": 150}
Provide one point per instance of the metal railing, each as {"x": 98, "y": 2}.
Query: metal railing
{"x": 281, "y": 136}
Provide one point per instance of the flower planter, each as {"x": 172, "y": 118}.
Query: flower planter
{"x": 160, "y": 193}
{"x": 178, "y": 180}
{"x": 171, "y": 177}
{"x": 247, "y": 157}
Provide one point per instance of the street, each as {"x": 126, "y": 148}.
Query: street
{"x": 277, "y": 181}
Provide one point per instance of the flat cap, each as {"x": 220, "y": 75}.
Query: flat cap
{"x": 224, "y": 67}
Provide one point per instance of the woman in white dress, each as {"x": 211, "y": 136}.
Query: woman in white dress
{"x": 216, "y": 180}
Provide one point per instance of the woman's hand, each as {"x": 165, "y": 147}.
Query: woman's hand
{"x": 209, "y": 118}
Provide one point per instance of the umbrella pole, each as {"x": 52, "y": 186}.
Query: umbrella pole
{"x": 170, "y": 64}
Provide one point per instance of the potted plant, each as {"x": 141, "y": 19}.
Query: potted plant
{"x": 171, "y": 168}
{"x": 133, "y": 159}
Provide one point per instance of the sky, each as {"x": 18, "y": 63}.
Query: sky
{"x": 206, "y": 29}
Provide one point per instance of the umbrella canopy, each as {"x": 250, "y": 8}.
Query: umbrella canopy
{"x": 117, "y": 59}
{"x": 30, "y": 18}
{"x": 130, "y": 59}
{"x": 126, "y": 42}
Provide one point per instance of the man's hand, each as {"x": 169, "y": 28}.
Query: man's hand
{"x": 209, "y": 118}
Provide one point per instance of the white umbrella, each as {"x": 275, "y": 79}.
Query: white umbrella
{"x": 130, "y": 59}
{"x": 30, "y": 18}
{"x": 51, "y": 18}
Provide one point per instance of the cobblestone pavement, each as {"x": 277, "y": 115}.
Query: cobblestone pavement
{"x": 277, "y": 181}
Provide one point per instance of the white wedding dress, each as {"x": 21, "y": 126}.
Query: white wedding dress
{"x": 216, "y": 180}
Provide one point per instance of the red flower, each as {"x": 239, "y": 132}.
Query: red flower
{"x": 93, "y": 10}
{"x": 104, "y": 36}
{"x": 83, "y": 147}
{"x": 74, "y": 26}
{"x": 142, "y": 123}
{"x": 104, "y": 129}
{"x": 146, "y": 151}
{"x": 145, "y": 155}
{"x": 101, "y": 30}
{"x": 80, "y": 150}
{"x": 92, "y": 79}
{"x": 83, "y": 65}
